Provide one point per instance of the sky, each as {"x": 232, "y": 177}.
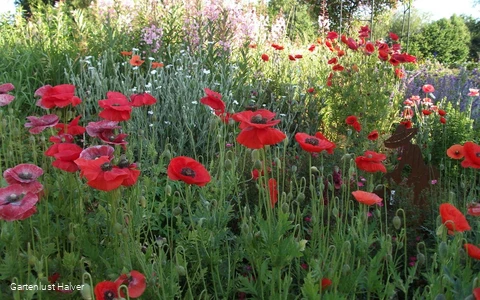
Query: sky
{"x": 437, "y": 8}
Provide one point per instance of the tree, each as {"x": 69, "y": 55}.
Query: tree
{"x": 446, "y": 40}
{"x": 474, "y": 27}
{"x": 27, "y": 5}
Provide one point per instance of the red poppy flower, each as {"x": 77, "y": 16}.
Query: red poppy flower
{"x": 58, "y": 96}
{"x": 383, "y": 55}
{"x": 26, "y": 175}
{"x": 188, "y": 170}
{"x": 105, "y": 130}
{"x": 58, "y": 139}
{"x": 352, "y": 44}
{"x": 316, "y": 143}
{"x": 142, "y": 99}
{"x": 364, "y": 31}
{"x": 403, "y": 57}
{"x": 399, "y": 73}
{"x": 340, "y": 53}
{"x": 298, "y": 56}
{"x": 265, "y": 57}
{"x": 472, "y": 155}
{"x": 213, "y": 100}
{"x": 40, "y": 124}
{"x": 131, "y": 170}
{"x": 329, "y": 79}
{"x": 135, "y": 281}
{"x": 101, "y": 174}
{"x": 17, "y": 203}
{"x": 473, "y": 209}
{"x": 357, "y": 126}
{"x": 393, "y": 36}
{"x": 332, "y": 61}
{"x": 393, "y": 61}
{"x": 369, "y": 48}
{"x": 5, "y": 98}
{"x": 371, "y": 162}
{"x": 273, "y": 191}
{"x": 136, "y": 61}
{"x": 311, "y": 48}
{"x": 407, "y": 124}
{"x": 95, "y": 152}
{"x": 115, "y": 108}
{"x": 350, "y": 120}
{"x": 338, "y": 67}
{"x": 428, "y": 88}
{"x": 278, "y": 47}
{"x": 311, "y": 90}
{"x": 156, "y": 65}
{"x": 325, "y": 283}
{"x": 291, "y": 57}
{"x": 426, "y": 112}
{"x": 442, "y": 113}
{"x": 257, "y": 128}
{"x": 443, "y": 120}
{"x": 106, "y": 290}
{"x": 472, "y": 251}
{"x": 65, "y": 157}
{"x": 126, "y": 53}
{"x": 453, "y": 219}
{"x": 373, "y": 135}
{"x": 367, "y": 198}
{"x": 331, "y": 35}
{"x": 256, "y": 173}
{"x": 71, "y": 128}
{"x": 455, "y": 152}
{"x": 476, "y": 293}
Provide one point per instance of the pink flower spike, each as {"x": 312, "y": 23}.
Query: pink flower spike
{"x": 40, "y": 124}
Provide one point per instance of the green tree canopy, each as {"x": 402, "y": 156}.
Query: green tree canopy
{"x": 446, "y": 40}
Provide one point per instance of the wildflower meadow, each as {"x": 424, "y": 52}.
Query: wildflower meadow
{"x": 197, "y": 150}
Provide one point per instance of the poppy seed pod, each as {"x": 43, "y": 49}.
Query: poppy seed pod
{"x": 86, "y": 291}
{"x": 397, "y": 222}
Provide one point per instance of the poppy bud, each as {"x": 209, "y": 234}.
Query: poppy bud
{"x": 443, "y": 250}
{"x": 462, "y": 253}
{"x": 440, "y": 297}
{"x": 181, "y": 270}
{"x": 335, "y": 212}
{"x": 43, "y": 138}
{"x": 397, "y": 222}
{"x": 257, "y": 165}
{"x": 125, "y": 232}
{"x": 177, "y": 211}
{"x": 168, "y": 190}
{"x": 117, "y": 227}
{"x": 349, "y": 132}
{"x": 314, "y": 169}
{"x": 345, "y": 269}
{"x": 278, "y": 163}
{"x": 32, "y": 260}
{"x": 294, "y": 168}
{"x": 301, "y": 245}
{"x": 245, "y": 227}
{"x": 228, "y": 165}
{"x": 143, "y": 201}
{"x": 420, "y": 258}
{"x": 285, "y": 208}
{"x": 71, "y": 237}
{"x": 330, "y": 186}
{"x": 167, "y": 154}
{"x": 440, "y": 230}
{"x": 300, "y": 197}
{"x": 86, "y": 291}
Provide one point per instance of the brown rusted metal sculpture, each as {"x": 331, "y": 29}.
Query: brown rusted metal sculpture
{"x": 410, "y": 154}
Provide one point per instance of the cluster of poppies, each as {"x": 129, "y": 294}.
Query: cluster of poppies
{"x": 134, "y": 280}
{"x": 18, "y": 200}
{"x": 424, "y": 107}
{"x": 469, "y": 152}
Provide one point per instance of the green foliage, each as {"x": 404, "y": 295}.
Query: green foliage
{"x": 446, "y": 40}
{"x": 474, "y": 27}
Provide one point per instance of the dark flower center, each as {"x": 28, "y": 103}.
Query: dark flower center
{"x": 12, "y": 198}
{"x": 477, "y": 154}
{"x": 111, "y": 138}
{"x": 312, "y": 141}
{"x": 188, "y": 172}
{"x": 123, "y": 163}
{"x": 106, "y": 167}
{"x": 458, "y": 152}
{"x": 25, "y": 175}
{"x": 109, "y": 295}
{"x": 369, "y": 156}
{"x": 258, "y": 119}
